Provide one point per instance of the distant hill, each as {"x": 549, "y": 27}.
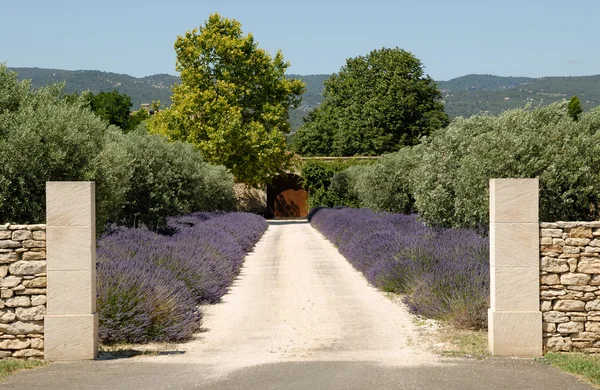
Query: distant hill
{"x": 474, "y": 94}
{"x": 141, "y": 90}
{"x": 463, "y": 96}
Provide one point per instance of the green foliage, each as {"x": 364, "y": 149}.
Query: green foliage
{"x": 233, "y": 101}
{"x": 376, "y": 104}
{"x": 140, "y": 178}
{"x": 574, "y": 108}
{"x": 318, "y": 178}
{"x": 451, "y": 182}
{"x": 580, "y": 364}
{"x": 315, "y": 137}
{"x": 159, "y": 179}
{"x": 9, "y": 366}
{"x": 387, "y": 185}
{"x": 42, "y": 138}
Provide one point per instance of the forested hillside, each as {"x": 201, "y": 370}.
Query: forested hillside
{"x": 463, "y": 96}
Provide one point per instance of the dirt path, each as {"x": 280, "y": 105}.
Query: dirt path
{"x": 298, "y": 299}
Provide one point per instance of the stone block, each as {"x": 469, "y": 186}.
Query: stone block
{"x": 515, "y": 333}
{"x": 557, "y": 233}
{"x": 73, "y": 337}
{"x": 7, "y": 316}
{"x": 592, "y": 305}
{"x": 15, "y": 344}
{"x": 514, "y": 288}
{"x": 570, "y": 327}
{"x": 555, "y": 317}
{"x": 550, "y": 279}
{"x": 71, "y": 248}
{"x": 71, "y": 292}
{"x": 589, "y": 265}
{"x": 577, "y": 241}
{"x": 21, "y": 235}
{"x": 514, "y": 200}
{"x": 32, "y": 267}
{"x": 37, "y": 300}
{"x": 34, "y": 256}
{"x": 39, "y": 282}
{"x": 21, "y": 301}
{"x": 548, "y": 327}
{"x": 550, "y": 264}
{"x": 39, "y": 235}
{"x": 29, "y": 244}
{"x": 514, "y": 244}
{"x": 592, "y": 326}
{"x": 70, "y": 203}
{"x": 558, "y": 344}
{"x": 10, "y": 281}
{"x": 29, "y": 353}
{"x": 581, "y": 232}
{"x": 32, "y": 313}
{"x": 7, "y": 244}
{"x": 546, "y": 306}
{"x": 569, "y": 305}
{"x": 5, "y": 234}
{"x": 22, "y": 328}
{"x": 575, "y": 279}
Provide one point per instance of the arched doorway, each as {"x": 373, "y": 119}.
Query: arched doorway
{"x": 286, "y": 198}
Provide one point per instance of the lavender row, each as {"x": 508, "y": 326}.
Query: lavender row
{"x": 444, "y": 273}
{"x": 150, "y": 284}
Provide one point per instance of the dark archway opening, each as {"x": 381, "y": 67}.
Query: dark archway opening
{"x": 286, "y": 198}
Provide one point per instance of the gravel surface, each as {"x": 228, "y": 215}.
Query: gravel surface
{"x": 297, "y": 299}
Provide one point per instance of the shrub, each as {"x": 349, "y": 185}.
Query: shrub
{"x": 42, "y": 138}
{"x": 387, "y": 185}
{"x": 451, "y": 183}
{"x": 170, "y": 179}
{"x": 140, "y": 178}
{"x": 194, "y": 261}
{"x": 139, "y": 302}
{"x": 317, "y": 178}
{"x": 443, "y": 272}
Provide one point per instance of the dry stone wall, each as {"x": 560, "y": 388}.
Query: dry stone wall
{"x": 22, "y": 290}
{"x": 570, "y": 285}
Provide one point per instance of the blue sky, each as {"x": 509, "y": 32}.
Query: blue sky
{"x": 452, "y": 38}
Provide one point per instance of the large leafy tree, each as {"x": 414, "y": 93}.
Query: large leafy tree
{"x": 376, "y": 104}
{"x": 232, "y": 102}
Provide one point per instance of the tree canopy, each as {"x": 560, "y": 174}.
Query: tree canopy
{"x": 574, "y": 108}
{"x": 232, "y": 102}
{"x": 376, "y": 104}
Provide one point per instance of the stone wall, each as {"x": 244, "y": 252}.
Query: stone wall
{"x": 22, "y": 290}
{"x": 570, "y": 285}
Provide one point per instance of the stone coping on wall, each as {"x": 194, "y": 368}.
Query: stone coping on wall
{"x": 22, "y": 290}
{"x": 570, "y": 285}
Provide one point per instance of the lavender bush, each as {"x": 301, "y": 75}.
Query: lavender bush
{"x": 149, "y": 283}
{"x": 444, "y": 273}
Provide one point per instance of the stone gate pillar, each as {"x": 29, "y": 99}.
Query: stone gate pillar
{"x": 514, "y": 317}
{"x": 71, "y": 322}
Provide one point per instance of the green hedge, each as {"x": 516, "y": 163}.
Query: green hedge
{"x": 140, "y": 178}
{"x": 445, "y": 179}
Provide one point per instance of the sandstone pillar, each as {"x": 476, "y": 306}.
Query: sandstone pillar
{"x": 514, "y": 317}
{"x": 71, "y": 323}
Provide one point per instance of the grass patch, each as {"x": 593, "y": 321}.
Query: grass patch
{"x": 464, "y": 343}
{"x": 445, "y": 339}
{"x": 582, "y": 365}
{"x": 9, "y": 366}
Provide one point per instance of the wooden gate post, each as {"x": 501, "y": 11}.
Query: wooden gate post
{"x": 71, "y": 323}
{"x": 514, "y": 317}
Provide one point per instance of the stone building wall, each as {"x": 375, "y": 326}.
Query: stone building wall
{"x": 570, "y": 285}
{"x": 22, "y": 290}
